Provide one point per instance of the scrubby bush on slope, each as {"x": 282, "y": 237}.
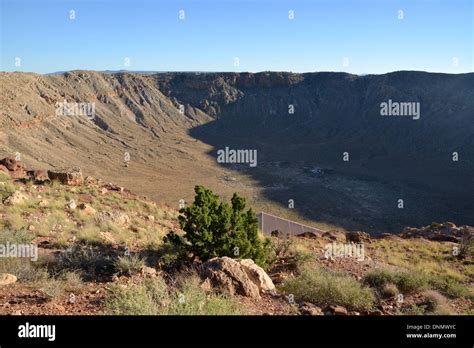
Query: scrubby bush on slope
{"x": 214, "y": 229}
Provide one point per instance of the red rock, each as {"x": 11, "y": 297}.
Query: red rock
{"x": 12, "y": 164}
{"x": 4, "y": 169}
{"x": 18, "y": 174}
{"x": 39, "y": 175}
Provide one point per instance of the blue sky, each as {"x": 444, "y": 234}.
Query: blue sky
{"x": 430, "y": 37}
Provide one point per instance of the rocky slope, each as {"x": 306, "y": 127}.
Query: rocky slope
{"x": 139, "y": 115}
{"x": 100, "y": 251}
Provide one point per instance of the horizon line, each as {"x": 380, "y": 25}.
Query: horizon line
{"x": 60, "y": 72}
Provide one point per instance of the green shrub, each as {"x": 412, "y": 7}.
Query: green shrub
{"x": 467, "y": 246}
{"x": 389, "y": 290}
{"x": 214, "y": 228}
{"x": 52, "y": 288}
{"x": 154, "y": 297}
{"x": 129, "y": 265}
{"x": 168, "y": 254}
{"x": 73, "y": 281}
{"x": 406, "y": 282}
{"x": 24, "y": 269}
{"x": 90, "y": 262}
{"x": 20, "y": 236}
{"x": 7, "y": 188}
{"x": 323, "y": 288}
{"x": 413, "y": 309}
{"x": 436, "y": 303}
{"x": 190, "y": 299}
{"x": 282, "y": 247}
{"x": 378, "y": 278}
{"x": 141, "y": 299}
{"x": 450, "y": 287}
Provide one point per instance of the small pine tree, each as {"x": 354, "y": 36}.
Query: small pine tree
{"x": 214, "y": 229}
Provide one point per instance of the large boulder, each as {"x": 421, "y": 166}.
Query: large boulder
{"x": 71, "y": 177}
{"x": 258, "y": 276}
{"x": 241, "y": 277}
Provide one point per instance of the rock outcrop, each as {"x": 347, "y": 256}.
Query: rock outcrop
{"x": 12, "y": 164}
{"x": 242, "y": 277}
{"x": 441, "y": 232}
{"x": 38, "y": 175}
{"x": 13, "y": 167}
{"x": 71, "y": 177}
{"x": 358, "y": 237}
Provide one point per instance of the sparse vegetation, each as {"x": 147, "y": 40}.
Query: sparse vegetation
{"x": 450, "y": 287}
{"x": 73, "y": 281}
{"x": 129, "y": 265}
{"x": 389, "y": 290}
{"x": 20, "y": 236}
{"x": 52, "y": 288}
{"x": 154, "y": 297}
{"x": 418, "y": 255}
{"x": 88, "y": 261}
{"x": 435, "y": 303}
{"x": 467, "y": 246}
{"x": 408, "y": 282}
{"x": 24, "y": 269}
{"x": 323, "y": 288}
{"x": 7, "y": 187}
{"x": 404, "y": 281}
{"x": 429, "y": 275}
